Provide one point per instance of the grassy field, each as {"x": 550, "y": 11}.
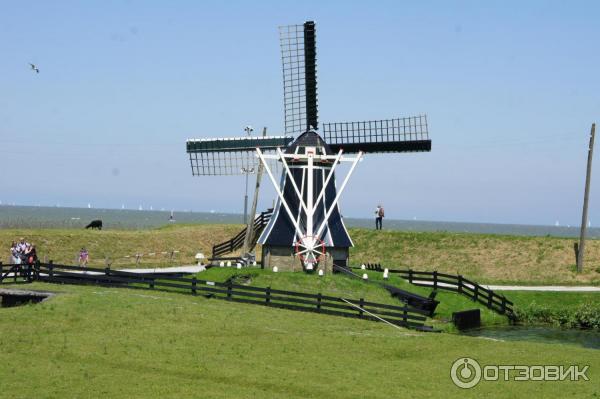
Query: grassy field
{"x": 63, "y": 245}
{"x": 90, "y": 341}
{"x": 109, "y": 342}
{"x": 483, "y": 258}
{"x": 533, "y": 307}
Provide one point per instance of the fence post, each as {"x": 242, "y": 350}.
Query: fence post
{"x": 503, "y": 309}
{"x": 460, "y": 283}
{"x": 405, "y": 318}
{"x": 490, "y": 297}
{"x": 152, "y": 284}
{"x": 475, "y": 292}
{"x": 51, "y": 268}
{"x": 361, "y": 303}
{"x": 319, "y": 299}
{"x": 229, "y": 290}
{"x": 29, "y": 272}
{"x": 194, "y": 286}
{"x": 410, "y": 276}
{"x": 1, "y": 271}
{"x": 37, "y": 270}
{"x": 268, "y": 296}
{"x": 435, "y": 278}
{"x": 106, "y": 271}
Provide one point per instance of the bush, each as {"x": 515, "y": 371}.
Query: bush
{"x": 586, "y": 315}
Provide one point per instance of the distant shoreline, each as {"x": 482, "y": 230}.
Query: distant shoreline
{"x": 20, "y": 216}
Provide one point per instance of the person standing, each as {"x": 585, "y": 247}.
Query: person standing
{"x": 379, "y": 215}
{"x": 14, "y": 254}
{"x": 84, "y": 257}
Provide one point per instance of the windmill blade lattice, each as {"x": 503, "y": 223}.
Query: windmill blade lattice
{"x": 230, "y": 156}
{"x": 409, "y": 134}
{"x": 298, "y": 58}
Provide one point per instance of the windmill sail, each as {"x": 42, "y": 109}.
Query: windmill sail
{"x": 229, "y": 156}
{"x": 388, "y": 135}
{"x": 298, "y": 57}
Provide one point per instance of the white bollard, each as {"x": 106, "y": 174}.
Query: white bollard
{"x": 254, "y": 263}
{"x": 321, "y": 273}
{"x": 221, "y": 264}
{"x": 239, "y": 265}
{"x": 228, "y": 263}
{"x": 386, "y": 274}
{"x": 365, "y": 276}
{"x": 363, "y": 267}
{"x": 275, "y": 269}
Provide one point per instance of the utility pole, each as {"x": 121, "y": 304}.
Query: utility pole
{"x": 247, "y": 171}
{"x": 584, "y": 217}
{"x": 250, "y": 226}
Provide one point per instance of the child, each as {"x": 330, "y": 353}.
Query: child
{"x": 14, "y": 254}
{"x": 83, "y": 257}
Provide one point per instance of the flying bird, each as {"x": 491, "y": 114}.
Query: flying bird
{"x": 34, "y": 68}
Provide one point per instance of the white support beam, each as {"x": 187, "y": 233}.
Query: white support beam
{"x": 339, "y": 193}
{"x": 291, "y": 178}
{"x": 279, "y": 193}
{"x": 336, "y": 162}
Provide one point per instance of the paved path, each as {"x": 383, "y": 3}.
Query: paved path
{"x": 176, "y": 269}
{"x": 555, "y": 288}
{"x": 548, "y": 288}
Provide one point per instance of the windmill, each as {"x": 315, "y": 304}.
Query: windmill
{"x": 306, "y": 231}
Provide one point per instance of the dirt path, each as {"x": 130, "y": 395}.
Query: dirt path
{"x": 555, "y": 288}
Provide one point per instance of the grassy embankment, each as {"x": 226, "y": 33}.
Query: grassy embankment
{"x": 63, "y": 245}
{"x": 483, "y": 258}
{"x": 492, "y": 259}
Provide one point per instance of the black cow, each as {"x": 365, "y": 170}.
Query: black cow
{"x": 95, "y": 224}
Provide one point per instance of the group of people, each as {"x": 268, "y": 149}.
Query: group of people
{"x": 23, "y": 253}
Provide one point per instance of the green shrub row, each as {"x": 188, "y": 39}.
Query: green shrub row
{"x": 586, "y": 315}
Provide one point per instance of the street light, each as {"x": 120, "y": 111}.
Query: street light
{"x": 248, "y": 129}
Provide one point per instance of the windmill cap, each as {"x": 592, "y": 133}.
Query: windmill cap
{"x": 309, "y": 138}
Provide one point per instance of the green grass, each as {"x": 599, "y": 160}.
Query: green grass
{"x": 63, "y": 245}
{"x": 485, "y": 258}
{"x": 95, "y": 341}
{"x": 481, "y": 257}
{"x": 339, "y": 285}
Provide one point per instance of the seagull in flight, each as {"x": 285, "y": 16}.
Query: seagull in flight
{"x": 34, "y": 68}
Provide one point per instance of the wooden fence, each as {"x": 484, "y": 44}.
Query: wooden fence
{"x": 238, "y": 241}
{"x": 405, "y": 316}
{"x": 456, "y": 283}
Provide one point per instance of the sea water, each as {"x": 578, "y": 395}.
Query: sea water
{"x": 61, "y": 217}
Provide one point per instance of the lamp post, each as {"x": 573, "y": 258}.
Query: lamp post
{"x": 248, "y": 129}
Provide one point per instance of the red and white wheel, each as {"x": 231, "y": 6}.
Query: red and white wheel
{"x": 310, "y": 250}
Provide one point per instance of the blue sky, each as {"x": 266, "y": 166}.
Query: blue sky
{"x": 510, "y": 90}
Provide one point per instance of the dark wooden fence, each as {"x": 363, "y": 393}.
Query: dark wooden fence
{"x": 456, "y": 283}
{"x": 15, "y": 273}
{"x": 238, "y": 241}
{"x": 405, "y": 316}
